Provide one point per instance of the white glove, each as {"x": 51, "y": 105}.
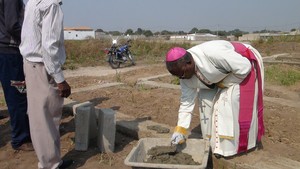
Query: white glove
{"x": 177, "y": 138}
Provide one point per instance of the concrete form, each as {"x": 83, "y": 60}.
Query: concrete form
{"x": 85, "y": 125}
{"x": 106, "y": 130}
{"x": 93, "y": 124}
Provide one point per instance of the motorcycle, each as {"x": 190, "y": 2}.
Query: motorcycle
{"x": 117, "y": 55}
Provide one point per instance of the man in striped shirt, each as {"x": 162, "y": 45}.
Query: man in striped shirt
{"x": 42, "y": 47}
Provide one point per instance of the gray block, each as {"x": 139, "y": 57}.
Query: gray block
{"x": 85, "y": 125}
{"x": 76, "y": 105}
{"x": 106, "y": 130}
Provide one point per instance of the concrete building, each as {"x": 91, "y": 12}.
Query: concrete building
{"x": 296, "y": 32}
{"x": 250, "y": 37}
{"x": 79, "y": 33}
{"x": 195, "y": 37}
{"x": 265, "y": 36}
{"x": 99, "y": 34}
{"x": 178, "y": 37}
{"x": 202, "y": 37}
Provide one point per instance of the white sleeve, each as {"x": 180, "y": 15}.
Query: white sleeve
{"x": 187, "y": 104}
{"x": 52, "y": 42}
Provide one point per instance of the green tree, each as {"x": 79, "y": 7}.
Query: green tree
{"x": 129, "y": 32}
{"x": 204, "y": 31}
{"x": 165, "y": 32}
{"x": 156, "y": 33}
{"x": 181, "y": 33}
{"x": 115, "y": 33}
{"x": 148, "y": 33}
{"x": 194, "y": 30}
{"x": 236, "y": 32}
{"x": 221, "y": 33}
{"x": 139, "y": 31}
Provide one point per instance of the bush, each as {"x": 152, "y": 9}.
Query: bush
{"x": 91, "y": 52}
{"x": 282, "y": 74}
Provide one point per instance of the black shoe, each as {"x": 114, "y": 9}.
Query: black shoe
{"x": 65, "y": 164}
{"x": 25, "y": 147}
{"x": 218, "y": 156}
{"x": 2, "y": 117}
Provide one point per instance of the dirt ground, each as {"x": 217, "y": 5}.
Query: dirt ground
{"x": 282, "y": 137}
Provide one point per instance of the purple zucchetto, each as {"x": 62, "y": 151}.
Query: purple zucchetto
{"x": 175, "y": 54}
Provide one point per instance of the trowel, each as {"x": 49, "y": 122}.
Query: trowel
{"x": 178, "y": 147}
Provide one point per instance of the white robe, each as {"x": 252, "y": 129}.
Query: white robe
{"x": 219, "y": 108}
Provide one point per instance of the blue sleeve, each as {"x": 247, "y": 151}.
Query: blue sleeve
{"x": 13, "y": 12}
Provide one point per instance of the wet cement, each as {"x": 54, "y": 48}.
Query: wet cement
{"x": 169, "y": 155}
{"x": 158, "y": 129}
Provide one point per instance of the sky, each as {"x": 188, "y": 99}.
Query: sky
{"x": 182, "y": 15}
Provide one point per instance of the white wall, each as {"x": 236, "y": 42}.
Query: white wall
{"x": 249, "y": 37}
{"x": 78, "y": 35}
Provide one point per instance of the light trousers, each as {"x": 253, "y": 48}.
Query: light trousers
{"x": 44, "y": 111}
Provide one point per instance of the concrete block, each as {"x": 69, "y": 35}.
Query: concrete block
{"x": 85, "y": 125}
{"x": 76, "y": 105}
{"x": 93, "y": 128}
{"x": 106, "y": 129}
{"x": 68, "y": 107}
{"x": 93, "y": 124}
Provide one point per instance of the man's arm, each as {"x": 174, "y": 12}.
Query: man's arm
{"x": 53, "y": 42}
{"x": 53, "y": 47}
{"x": 12, "y": 13}
{"x": 187, "y": 104}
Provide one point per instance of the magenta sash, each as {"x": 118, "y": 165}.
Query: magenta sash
{"x": 247, "y": 94}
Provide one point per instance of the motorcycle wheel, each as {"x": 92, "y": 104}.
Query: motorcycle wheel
{"x": 131, "y": 58}
{"x": 113, "y": 62}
